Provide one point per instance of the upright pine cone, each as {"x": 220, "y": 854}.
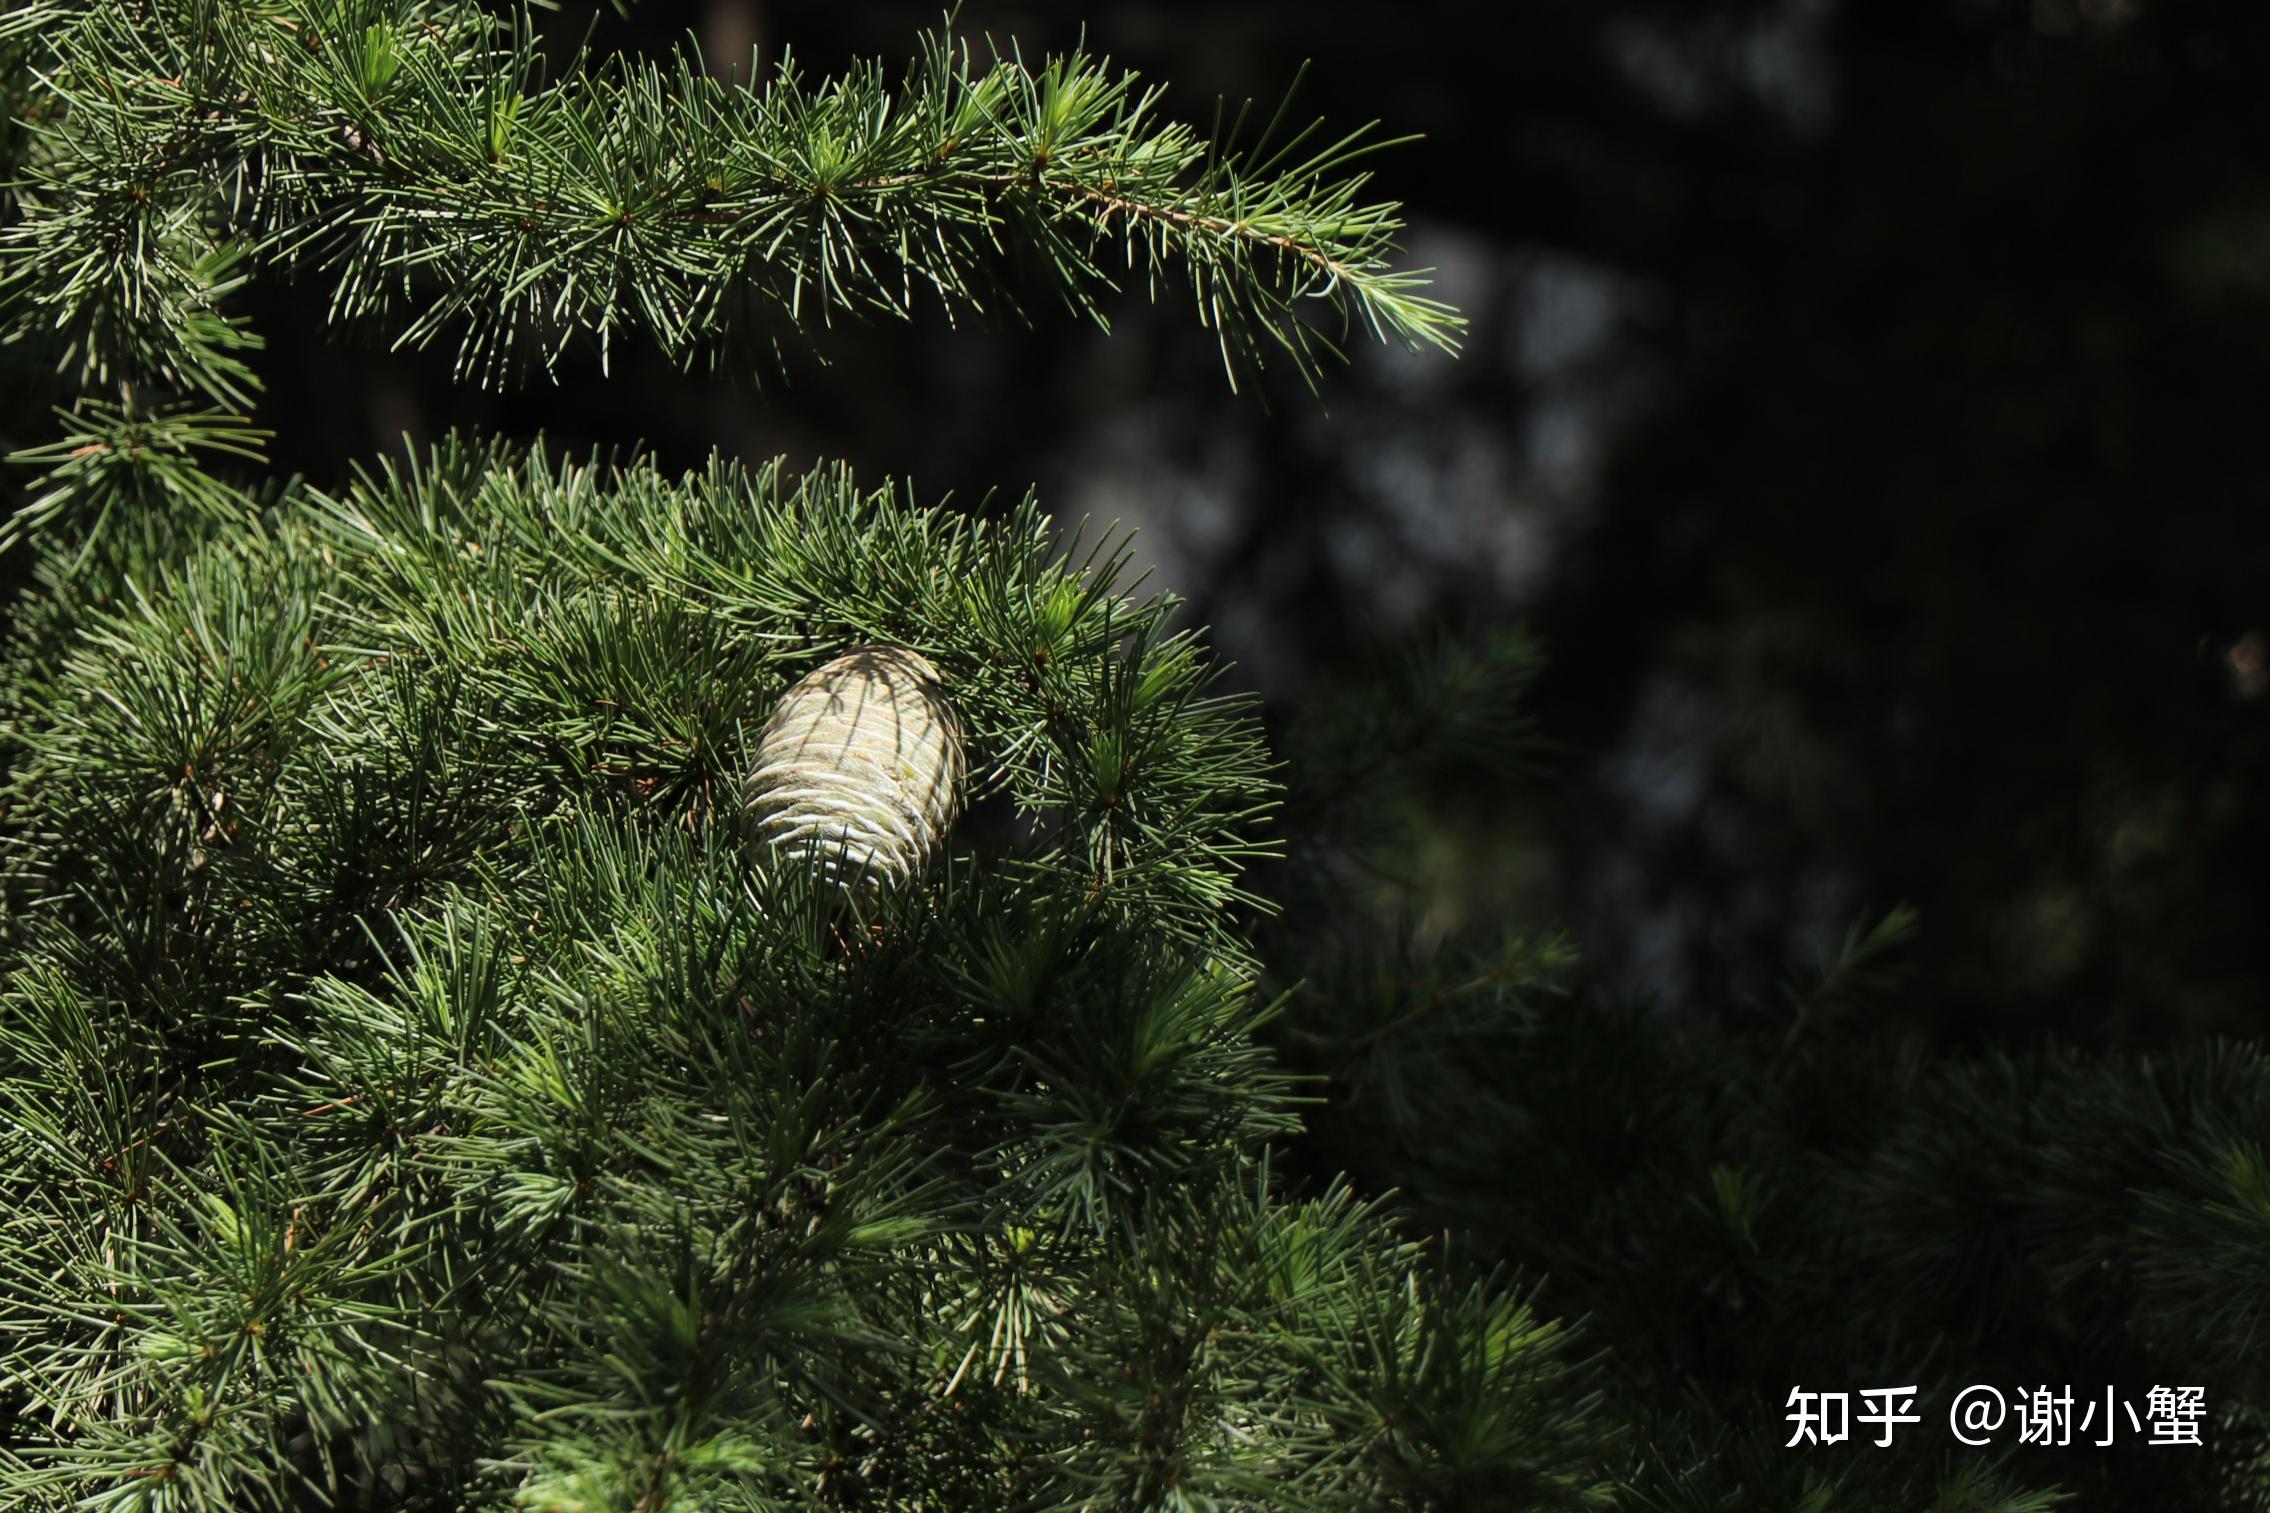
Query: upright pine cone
{"x": 860, "y": 767}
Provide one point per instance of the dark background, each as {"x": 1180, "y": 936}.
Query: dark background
{"x": 1864, "y": 403}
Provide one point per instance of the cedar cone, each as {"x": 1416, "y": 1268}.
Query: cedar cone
{"x": 860, "y": 768}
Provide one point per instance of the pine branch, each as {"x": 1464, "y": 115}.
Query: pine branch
{"x": 414, "y": 1089}
{"x": 410, "y": 153}
{"x": 136, "y": 465}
